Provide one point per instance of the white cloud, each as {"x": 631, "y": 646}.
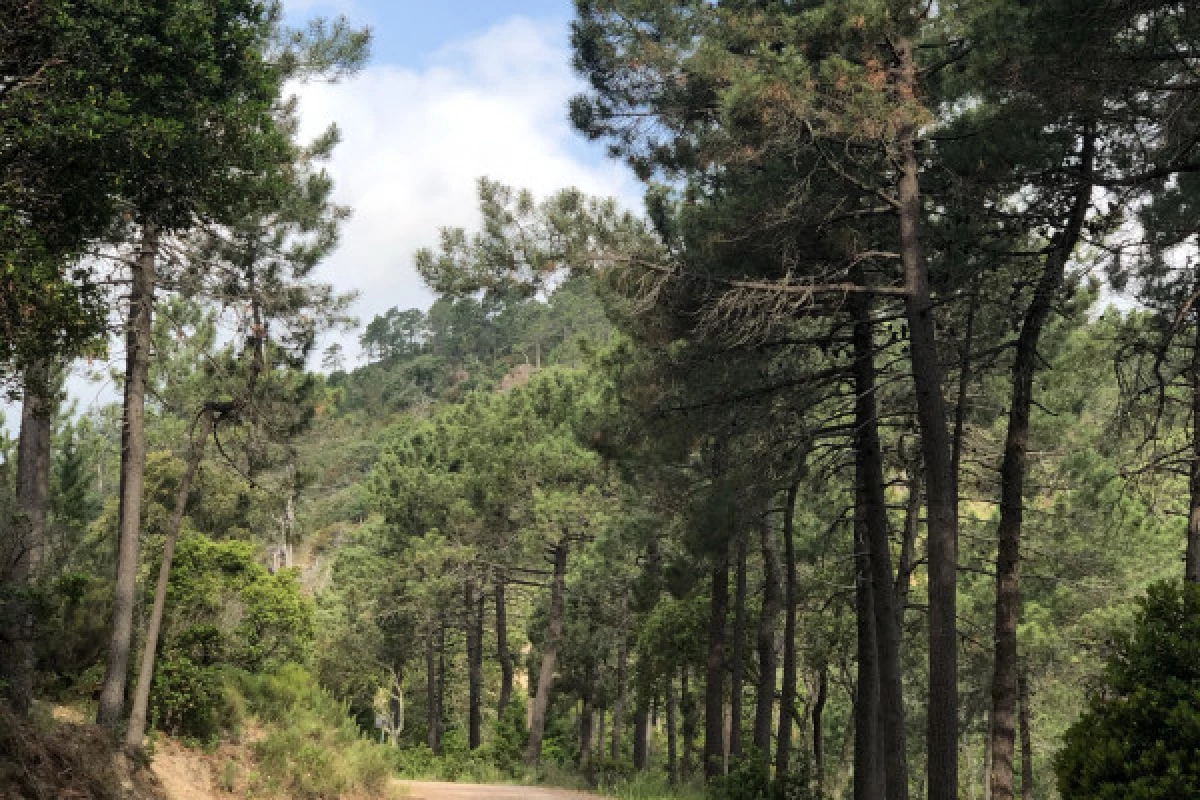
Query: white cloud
{"x": 415, "y": 142}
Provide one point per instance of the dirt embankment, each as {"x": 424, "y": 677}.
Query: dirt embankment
{"x": 67, "y": 760}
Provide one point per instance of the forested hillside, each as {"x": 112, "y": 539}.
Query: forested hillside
{"x": 862, "y": 461}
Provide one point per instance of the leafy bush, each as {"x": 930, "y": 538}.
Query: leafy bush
{"x": 186, "y": 698}
{"x": 1139, "y": 737}
{"x": 507, "y": 748}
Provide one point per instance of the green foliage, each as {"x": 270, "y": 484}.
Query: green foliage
{"x": 224, "y": 610}
{"x": 312, "y": 748}
{"x": 1138, "y": 737}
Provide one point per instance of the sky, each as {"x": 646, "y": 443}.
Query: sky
{"x": 455, "y": 91}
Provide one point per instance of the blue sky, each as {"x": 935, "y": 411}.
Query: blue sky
{"x": 408, "y": 31}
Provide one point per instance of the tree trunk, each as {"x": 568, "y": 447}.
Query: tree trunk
{"x": 601, "y": 733}
{"x": 474, "y": 609}
{"x": 942, "y": 504}
{"x": 787, "y": 698}
{"x": 201, "y": 430}
{"x": 687, "y": 705}
{"x": 908, "y": 546}
{"x": 585, "y": 734}
{"x": 767, "y": 662}
{"x": 869, "y": 773}
{"x": 431, "y": 694}
{"x": 641, "y": 732}
{"x": 503, "y": 655}
{"x": 871, "y": 517}
{"x": 672, "y": 727}
{"x": 541, "y": 703}
{"x": 714, "y": 678}
{"x": 133, "y": 469}
{"x": 441, "y": 685}
{"x": 1012, "y": 486}
{"x": 1026, "y": 739}
{"x": 1192, "y": 567}
{"x": 619, "y": 703}
{"x": 737, "y": 672}
{"x": 818, "y": 729}
{"x": 33, "y": 501}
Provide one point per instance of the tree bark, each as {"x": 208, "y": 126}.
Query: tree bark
{"x": 714, "y": 678}
{"x": 541, "y": 703}
{"x": 869, "y": 774}
{"x": 787, "y": 697}
{"x": 941, "y": 502}
{"x": 503, "y": 655}
{"x": 687, "y": 705}
{"x": 619, "y": 701}
{"x": 33, "y": 502}
{"x": 871, "y": 517}
{"x": 908, "y": 546}
{"x": 767, "y": 661}
{"x": 431, "y": 694}
{"x": 201, "y": 430}
{"x": 133, "y": 470}
{"x": 641, "y": 733}
{"x": 737, "y": 670}
{"x": 1012, "y": 485}
{"x": 1026, "y": 739}
{"x": 672, "y": 727}
{"x": 818, "y": 729}
{"x": 585, "y": 733}
{"x": 441, "y": 685}
{"x": 474, "y": 598}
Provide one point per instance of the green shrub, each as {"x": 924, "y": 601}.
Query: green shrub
{"x": 1139, "y": 737}
{"x": 187, "y": 698}
{"x": 507, "y": 748}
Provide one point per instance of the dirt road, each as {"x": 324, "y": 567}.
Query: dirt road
{"x": 467, "y": 791}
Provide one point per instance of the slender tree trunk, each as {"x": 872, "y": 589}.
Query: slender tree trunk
{"x": 585, "y": 733}
{"x": 1026, "y": 739}
{"x": 987, "y": 760}
{"x": 688, "y": 706}
{"x": 441, "y": 685}
{"x": 908, "y": 546}
{"x": 714, "y": 678}
{"x": 818, "y": 728}
{"x": 619, "y": 703}
{"x": 601, "y": 734}
{"x": 1012, "y": 486}
{"x": 431, "y": 693}
{"x": 787, "y": 698}
{"x": 541, "y": 703}
{"x": 942, "y": 733}
{"x": 201, "y": 430}
{"x": 33, "y": 500}
{"x": 737, "y": 670}
{"x": 474, "y": 610}
{"x": 672, "y": 728}
{"x": 871, "y": 516}
{"x": 869, "y": 773}
{"x": 133, "y": 469}
{"x": 641, "y": 732}
{"x": 503, "y": 655}
{"x": 767, "y": 661}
